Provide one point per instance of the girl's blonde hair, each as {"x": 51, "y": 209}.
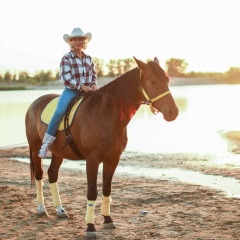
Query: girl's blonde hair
{"x": 84, "y": 45}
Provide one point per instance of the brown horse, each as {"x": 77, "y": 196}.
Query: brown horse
{"x": 99, "y": 130}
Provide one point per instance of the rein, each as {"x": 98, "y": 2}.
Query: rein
{"x": 149, "y": 100}
{"x": 104, "y": 94}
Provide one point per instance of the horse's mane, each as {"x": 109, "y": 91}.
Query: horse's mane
{"x": 121, "y": 93}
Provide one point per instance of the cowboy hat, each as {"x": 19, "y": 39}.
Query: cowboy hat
{"x": 77, "y": 32}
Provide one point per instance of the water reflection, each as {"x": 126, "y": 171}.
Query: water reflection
{"x": 181, "y": 103}
{"x": 229, "y": 186}
{"x": 13, "y": 107}
{"x": 12, "y": 123}
{"x": 204, "y": 112}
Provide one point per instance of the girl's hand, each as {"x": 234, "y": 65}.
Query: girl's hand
{"x": 94, "y": 87}
{"x": 85, "y": 88}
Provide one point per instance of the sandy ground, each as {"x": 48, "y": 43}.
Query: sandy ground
{"x": 176, "y": 210}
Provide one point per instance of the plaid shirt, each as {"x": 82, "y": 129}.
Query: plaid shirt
{"x": 74, "y": 72}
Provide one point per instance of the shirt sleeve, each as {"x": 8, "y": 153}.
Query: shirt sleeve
{"x": 65, "y": 74}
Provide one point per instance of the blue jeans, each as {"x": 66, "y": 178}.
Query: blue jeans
{"x": 65, "y": 98}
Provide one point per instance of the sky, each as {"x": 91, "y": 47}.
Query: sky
{"x": 205, "y": 33}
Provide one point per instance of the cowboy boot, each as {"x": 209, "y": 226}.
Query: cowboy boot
{"x": 47, "y": 141}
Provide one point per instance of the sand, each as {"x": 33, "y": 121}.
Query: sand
{"x": 175, "y": 210}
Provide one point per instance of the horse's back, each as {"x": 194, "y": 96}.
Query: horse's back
{"x": 32, "y": 118}
{"x": 37, "y": 106}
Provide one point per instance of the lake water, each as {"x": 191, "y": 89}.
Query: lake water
{"x": 205, "y": 112}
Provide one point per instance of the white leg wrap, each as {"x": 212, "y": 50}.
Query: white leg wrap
{"x": 55, "y": 194}
{"x": 90, "y": 212}
{"x": 39, "y": 185}
{"x": 105, "y": 208}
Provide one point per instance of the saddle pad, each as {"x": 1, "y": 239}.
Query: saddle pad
{"x": 49, "y": 110}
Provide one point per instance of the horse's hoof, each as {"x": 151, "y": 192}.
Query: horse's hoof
{"x": 62, "y": 215}
{"x": 42, "y": 213}
{"x": 109, "y": 225}
{"x": 91, "y": 235}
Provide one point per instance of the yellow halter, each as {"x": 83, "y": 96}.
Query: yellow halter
{"x": 149, "y": 100}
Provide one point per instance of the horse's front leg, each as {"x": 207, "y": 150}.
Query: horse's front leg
{"x": 53, "y": 177}
{"x": 38, "y": 169}
{"x": 92, "y": 171}
{"x": 108, "y": 171}
{"x": 40, "y": 199}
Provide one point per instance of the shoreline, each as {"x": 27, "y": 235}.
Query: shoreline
{"x": 174, "y": 81}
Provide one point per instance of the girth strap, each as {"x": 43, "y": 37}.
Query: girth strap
{"x": 69, "y": 138}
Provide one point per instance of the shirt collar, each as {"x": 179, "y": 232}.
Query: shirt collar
{"x": 75, "y": 55}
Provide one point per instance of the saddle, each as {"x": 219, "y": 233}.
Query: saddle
{"x": 66, "y": 122}
{"x": 49, "y": 110}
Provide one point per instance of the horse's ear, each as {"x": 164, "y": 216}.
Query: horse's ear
{"x": 140, "y": 64}
{"x": 156, "y": 61}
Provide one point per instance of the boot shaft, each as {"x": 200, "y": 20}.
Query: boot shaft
{"x": 48, "y": 139}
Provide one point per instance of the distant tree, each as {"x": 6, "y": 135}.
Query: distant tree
{"x": 23, "y": 76}
{"x": 57, "y": 75}
{"x": 191, "y": 74}
{"x": 42, "y": 77}
{"x": 7, "y": 76}
{"x": 233, "y": 75}
{"x": 118, "y": 67}
{"x": 176, "y": 67}
{"x": 99, "y": 66}
{"x": 112, "y": 67}
{"x": 129, "y": 63}
{"x": 14, "y": 77}
{"x": 115, "y": 67}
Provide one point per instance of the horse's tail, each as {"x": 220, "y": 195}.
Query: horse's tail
{"x": 32, "y": 171}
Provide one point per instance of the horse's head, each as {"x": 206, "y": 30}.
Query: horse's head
{"x": 155, "y": 91}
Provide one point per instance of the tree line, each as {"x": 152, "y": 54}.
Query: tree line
{"x": 115, "y": 67}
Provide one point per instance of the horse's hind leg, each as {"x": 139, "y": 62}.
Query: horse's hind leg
{"x": 53, "y": 177}
{"x": 108, "y": 171}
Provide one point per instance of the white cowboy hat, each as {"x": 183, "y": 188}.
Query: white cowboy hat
{"x": 77, "y": 32}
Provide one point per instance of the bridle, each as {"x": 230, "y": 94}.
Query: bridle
{"x": 149, "y": 100}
